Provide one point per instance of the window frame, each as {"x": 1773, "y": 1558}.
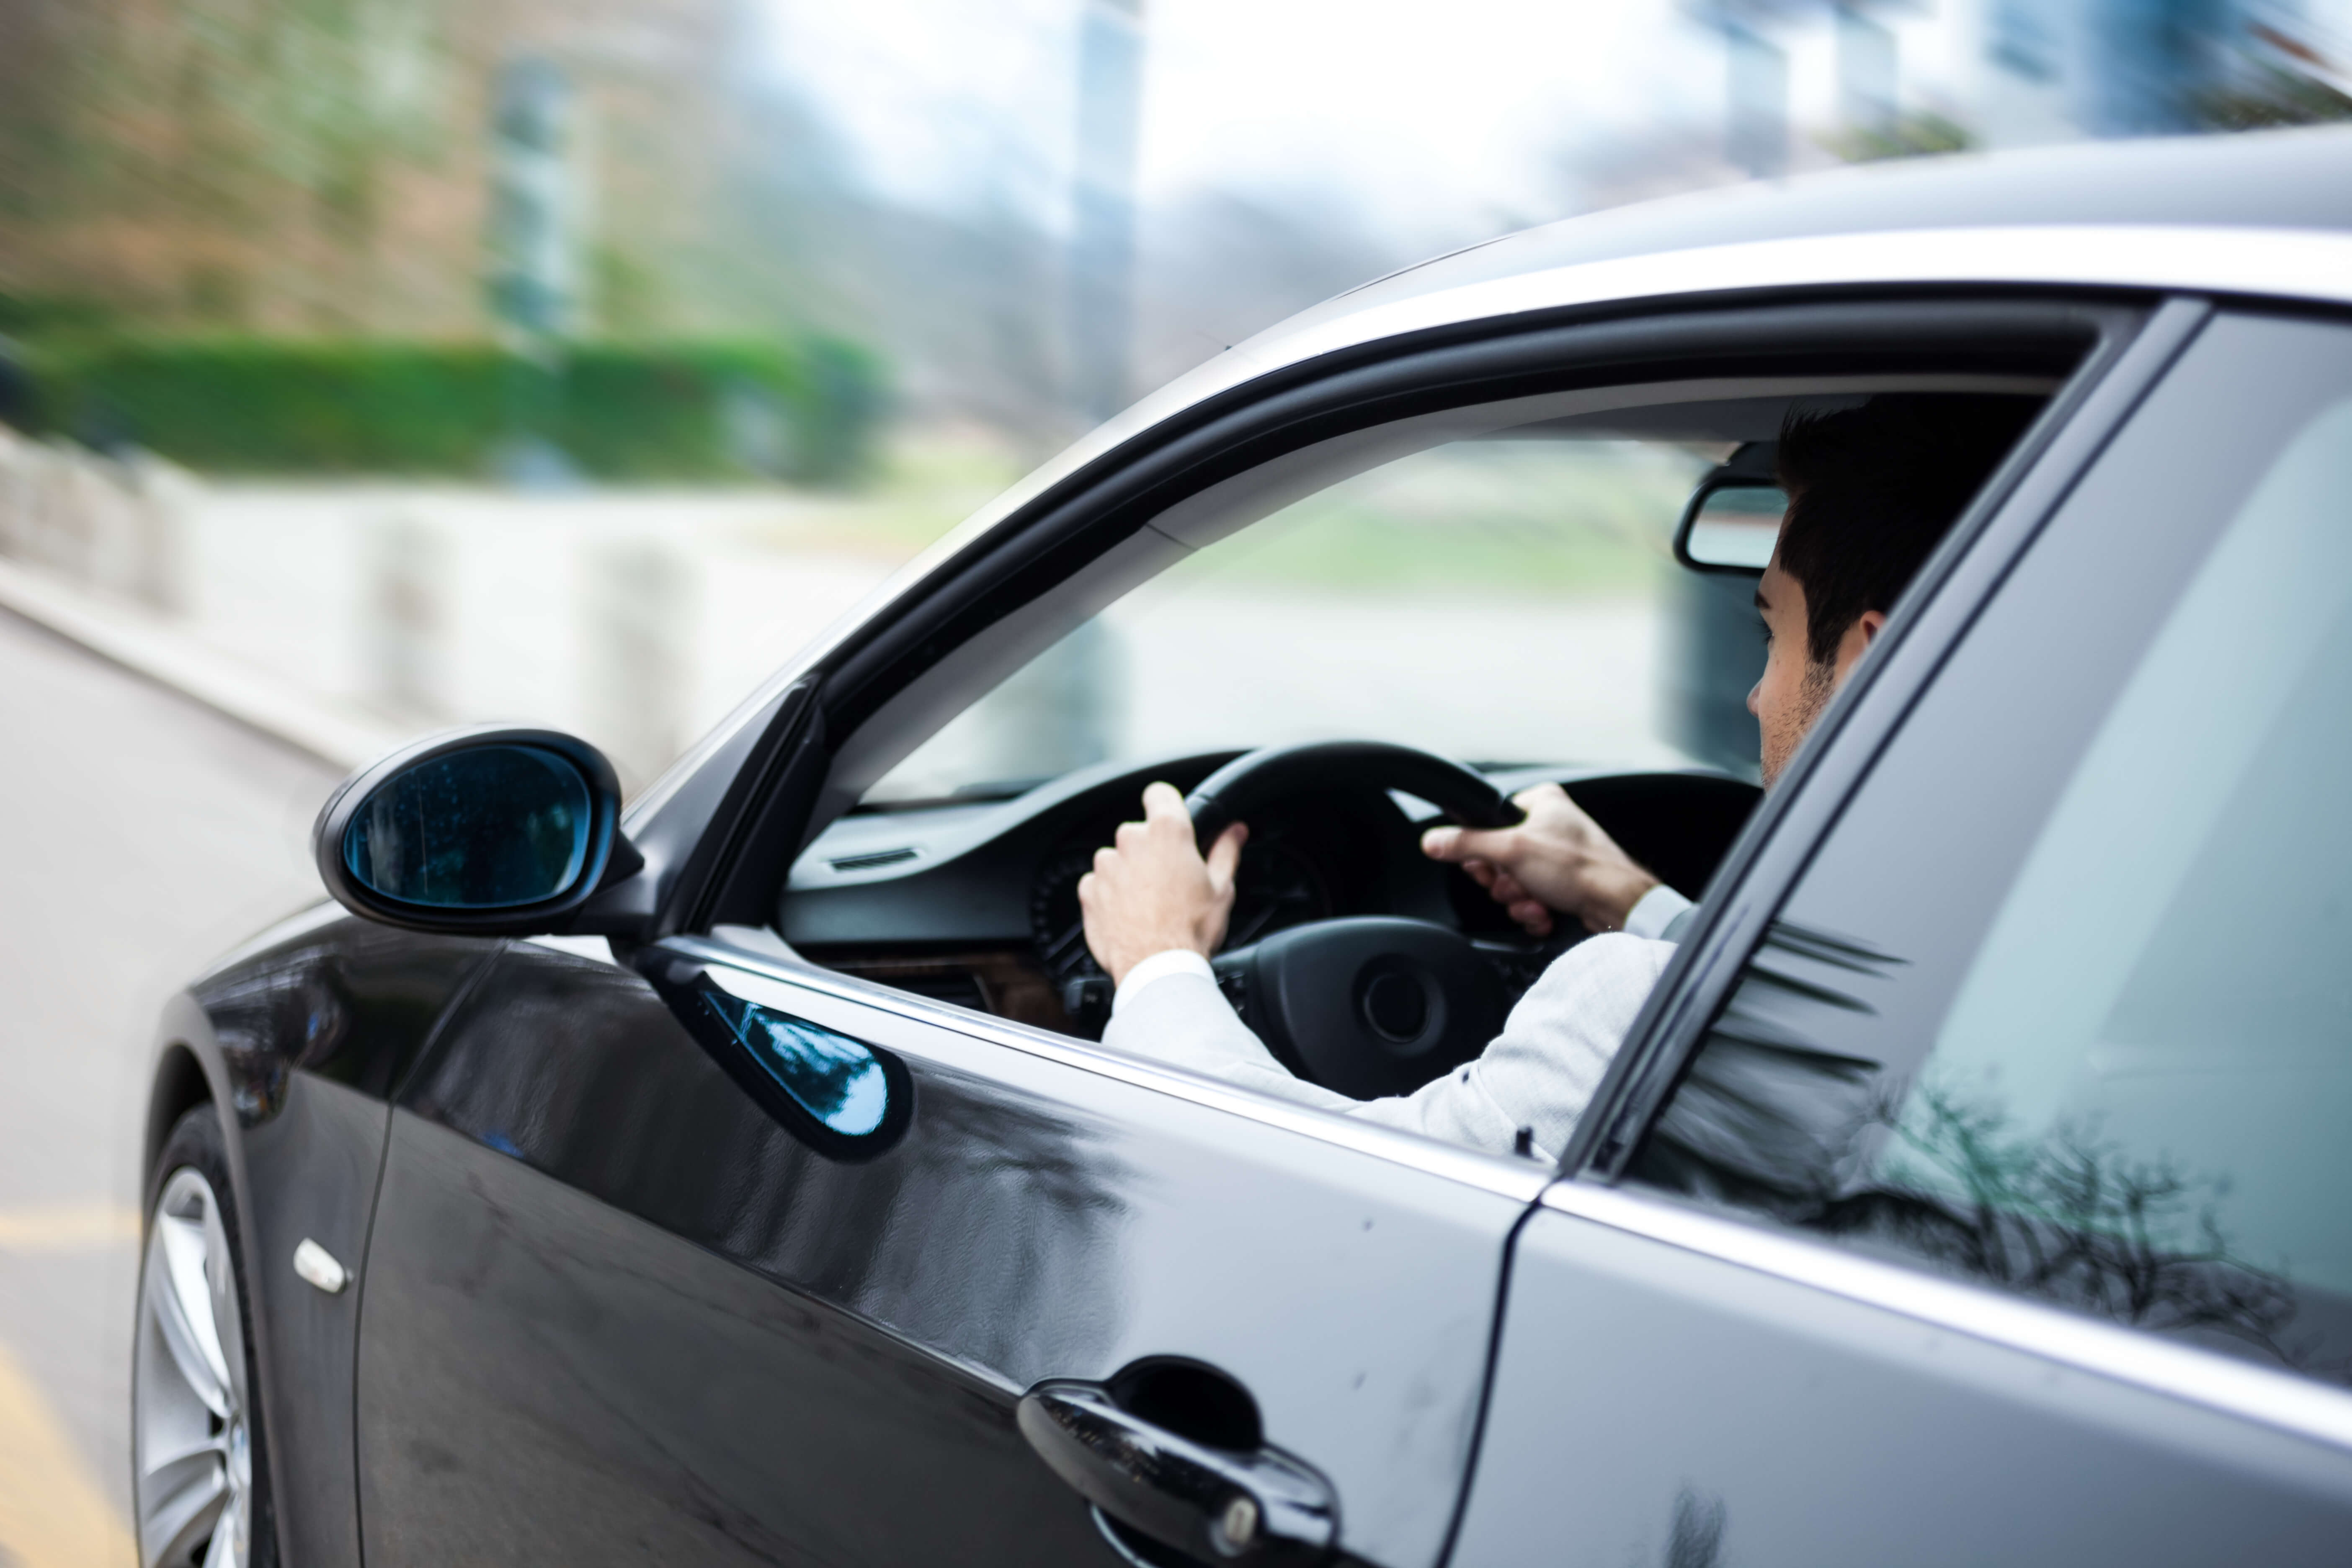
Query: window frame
{"x": 1936, "y": 614}
{"x": 1772, "y": 852}
{"x": 788, "y": 791}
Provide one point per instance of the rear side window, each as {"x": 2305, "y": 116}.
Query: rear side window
{"x": 2064, "y": 1003}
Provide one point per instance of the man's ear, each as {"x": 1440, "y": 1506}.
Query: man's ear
{"x": 1856, "y": 642}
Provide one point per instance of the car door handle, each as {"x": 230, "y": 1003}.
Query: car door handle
{"x": 1260, "y": 1506}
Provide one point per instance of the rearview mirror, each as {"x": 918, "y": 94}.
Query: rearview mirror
{"x": 484, "y": 830}
{"x": 1730, "y": 525}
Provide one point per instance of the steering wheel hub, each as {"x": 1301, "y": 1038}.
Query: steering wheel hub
{"x": 1369, "y": 1006}
{"x": 1396, "y": 1000}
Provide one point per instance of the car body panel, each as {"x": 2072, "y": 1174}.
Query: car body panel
{"x": 1739, "y": 1416}
{"x": 297, "y": 1037}
{"x": 548, "y": 1378}
{"x": 543, "y": 1293}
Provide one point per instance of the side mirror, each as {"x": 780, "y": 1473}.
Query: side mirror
{"x": 484, "y": 831}
{"x": 1731, "y": 524}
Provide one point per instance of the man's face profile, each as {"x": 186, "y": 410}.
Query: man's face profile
{"x": 1795, "y": 686}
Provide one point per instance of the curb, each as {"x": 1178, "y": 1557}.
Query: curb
{"x": 149, "y": 644}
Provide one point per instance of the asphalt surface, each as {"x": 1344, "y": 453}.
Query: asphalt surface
{"x": 142, "y": 836}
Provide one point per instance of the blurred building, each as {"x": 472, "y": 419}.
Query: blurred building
{"x": 1811, "y": 82}
{"x": 323, "y": 165}
{"x": 329, "y": 167}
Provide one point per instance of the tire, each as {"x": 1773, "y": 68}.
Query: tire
{"x": 199, "y": 1470}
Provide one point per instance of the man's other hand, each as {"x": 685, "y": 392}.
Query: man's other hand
{"x": 1558, "y": 859}
{"x": 1151, "y": 890}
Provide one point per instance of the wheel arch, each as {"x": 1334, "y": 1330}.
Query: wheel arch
{"x": 182, "y": 1080}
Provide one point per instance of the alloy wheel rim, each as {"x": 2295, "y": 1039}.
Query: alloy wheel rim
{"x": 192, "y": 1443}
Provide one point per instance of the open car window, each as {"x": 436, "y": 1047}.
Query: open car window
{"x": 1495, "y": 582}
{"x": 1498, "y": 600}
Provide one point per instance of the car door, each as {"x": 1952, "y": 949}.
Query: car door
{"x": 1993, "y": 1210}
{"x": 714, "y": 1255}
{"x": 638, "y": 1292}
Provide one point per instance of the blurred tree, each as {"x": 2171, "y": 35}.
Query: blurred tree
{"x": 321, "y": 168}
{"x": 326, "y": 165}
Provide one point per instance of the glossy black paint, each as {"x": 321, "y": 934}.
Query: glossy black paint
{"x": 345, "y": 999}
{"x": 299, "y": 1042}
{"x": 546, "y": 1378}
{"x": 618, "y": 1310}
{"x": 1653, "y": 1406}
{"x": 1205, "y": 1499}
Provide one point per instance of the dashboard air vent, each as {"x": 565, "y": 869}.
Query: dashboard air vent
{"x": 870, "y": 861}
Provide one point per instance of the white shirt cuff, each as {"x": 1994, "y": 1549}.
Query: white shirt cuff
{"x": 1651, "y": 916}
{"x": 1158, "y": 966}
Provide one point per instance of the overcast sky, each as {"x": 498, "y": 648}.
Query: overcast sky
{"x": 1426, "y": 116}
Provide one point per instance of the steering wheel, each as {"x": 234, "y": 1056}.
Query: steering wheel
{"x": 1369, "y": 1005}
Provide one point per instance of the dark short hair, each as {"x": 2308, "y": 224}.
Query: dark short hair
{"x": 1871, "y": 489}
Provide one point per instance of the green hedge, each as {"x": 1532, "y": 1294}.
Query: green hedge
{"x": 702, "y": 410}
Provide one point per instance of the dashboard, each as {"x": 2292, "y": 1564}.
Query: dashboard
{"x": 976, "y": 902}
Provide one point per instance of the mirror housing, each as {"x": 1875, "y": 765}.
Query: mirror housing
{"x": 483, "y": 831}
{"x": 1733, "y": 519}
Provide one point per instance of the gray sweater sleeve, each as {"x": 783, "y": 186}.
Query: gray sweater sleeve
{"x": 1539, "y": 1073}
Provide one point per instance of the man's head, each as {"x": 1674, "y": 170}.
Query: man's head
{"x": 1871, "y": 491}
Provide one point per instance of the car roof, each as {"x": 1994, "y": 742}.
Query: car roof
{"x": 2299, "y": 179}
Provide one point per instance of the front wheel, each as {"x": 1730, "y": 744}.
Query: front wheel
{"x": 201, "y": 1491}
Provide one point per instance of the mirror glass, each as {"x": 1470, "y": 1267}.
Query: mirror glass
{"x": 831, "y": 1077}
{"x": 492, "y": 828}
{"x": 1737, "y": 526}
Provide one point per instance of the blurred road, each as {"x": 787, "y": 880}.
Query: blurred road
{"x": 142, "y": 836}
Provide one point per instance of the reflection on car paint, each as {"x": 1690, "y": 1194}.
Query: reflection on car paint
{"x": 586, "y": 1068}
{"x": 831, "y": 1077}
{"x": 1907, "y": 1158}
{"x": 1696, "y": 1540}
{"x": 343, "y": 998}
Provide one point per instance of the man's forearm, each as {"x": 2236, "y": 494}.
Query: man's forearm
{"x": 1539, "y": 1074}
{"x": 1172, "y": 1012}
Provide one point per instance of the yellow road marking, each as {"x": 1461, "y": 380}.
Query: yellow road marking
{"x": 52, "y": 1513}
{"x": 63, "y": 1227}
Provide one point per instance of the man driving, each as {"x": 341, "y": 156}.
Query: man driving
{"x": 1871, "y": 489}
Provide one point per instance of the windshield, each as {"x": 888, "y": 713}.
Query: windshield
{"x": 1497, "y": 601}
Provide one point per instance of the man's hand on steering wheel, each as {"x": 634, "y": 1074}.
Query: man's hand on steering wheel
{"x": 1152, "y": 890}
{"x": 1558, "y": 859}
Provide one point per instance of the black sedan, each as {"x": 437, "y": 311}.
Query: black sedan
{"x": 738, "y": 1177}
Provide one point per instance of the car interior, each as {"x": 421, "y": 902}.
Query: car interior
{"x": 1425, "y": 584}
